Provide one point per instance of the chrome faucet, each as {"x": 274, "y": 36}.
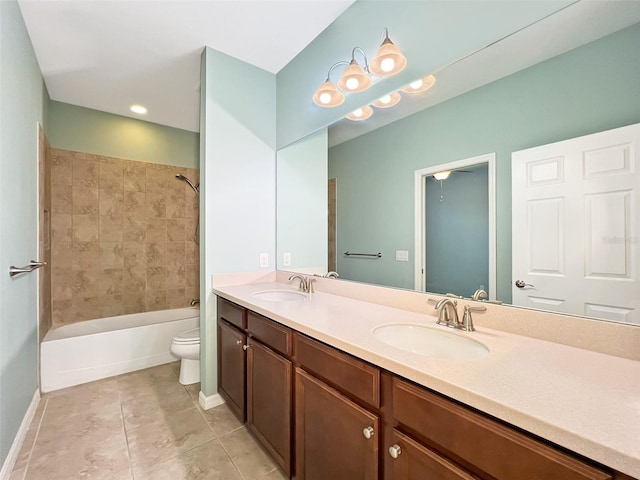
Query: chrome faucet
{"x": 306, "y": 284}
{"x": 195, "y": 301}
{"x": 331, "y": 274}
{"x": 448, "y": 312}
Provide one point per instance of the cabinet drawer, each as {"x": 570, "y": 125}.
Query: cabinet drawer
{"x": 414, "y": 461}
{"x": 272, "y": 334}
{"x": 232, "y": 313}
{"x": 491, "y": 447}
{"x": 353, "y": 376}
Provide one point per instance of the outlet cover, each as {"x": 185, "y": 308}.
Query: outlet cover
{"x": 286, "y": 260}
{"x": 264, "y": 260}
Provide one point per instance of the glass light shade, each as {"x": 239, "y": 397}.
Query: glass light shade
{"x": 328, "y": 95}
{"x": 389, "y": 60}
{"x": 420, "y": 85}
{"x": 361, "y": 114}
{"x": 442, "y": 175}
{"x": 387, "y": 101}
{"x": 354, "y": 79}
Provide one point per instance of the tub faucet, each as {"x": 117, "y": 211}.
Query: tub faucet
{"x": 195, "y": 301}
{"x": 331, "y": 274}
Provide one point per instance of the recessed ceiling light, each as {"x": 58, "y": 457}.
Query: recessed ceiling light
{"x": 138, "y": 109}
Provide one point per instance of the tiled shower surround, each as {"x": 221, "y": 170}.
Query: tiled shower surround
{"x": 122, "y": 237}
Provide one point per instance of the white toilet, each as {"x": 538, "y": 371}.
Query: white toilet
{"x": 186, "y": 345}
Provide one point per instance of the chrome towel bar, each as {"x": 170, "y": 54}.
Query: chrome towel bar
{"x": 351, "y": 254}
{"x": 33, "y": 265}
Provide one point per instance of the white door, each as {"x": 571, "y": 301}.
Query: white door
{"x": 575, "y": 234}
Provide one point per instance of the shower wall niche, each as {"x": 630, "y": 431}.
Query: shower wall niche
{"x": 122, "y": 236}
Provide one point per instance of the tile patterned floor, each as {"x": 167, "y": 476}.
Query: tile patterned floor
{"x": 139, "y": 426}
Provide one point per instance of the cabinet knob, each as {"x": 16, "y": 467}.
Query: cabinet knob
{"x": 368, "y": 432}
{"x": 245, "y": 347}
{"x": 395, "y": 451}
{"x": 238, "y": 342}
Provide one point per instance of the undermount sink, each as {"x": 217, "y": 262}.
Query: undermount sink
{"x": 430, "y": 341}
{"x": 279, "y": 295}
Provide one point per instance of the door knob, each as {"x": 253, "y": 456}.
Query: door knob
{"x": 395, "y": 451}
{"x": 368, "y": 432}
{"x": 521, "y": 284}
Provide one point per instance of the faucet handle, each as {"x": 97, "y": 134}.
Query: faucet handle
{"x": 310, "y": 285}
{"x": 467, "y": 321}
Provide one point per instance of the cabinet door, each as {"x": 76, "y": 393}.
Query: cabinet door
{"x": 232, "y": 365}
{"x": 330, "y": 441}
{"x": 412, "y": 461}
{"x": 269, "y": 383}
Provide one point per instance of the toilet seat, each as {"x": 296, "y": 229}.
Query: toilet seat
{"x": 188, "y": 337}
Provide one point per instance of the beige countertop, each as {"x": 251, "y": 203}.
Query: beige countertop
{"x": 586, "y": 401}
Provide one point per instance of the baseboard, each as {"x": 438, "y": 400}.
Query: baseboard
{"x": 14, "y": 451}
{"x": 210, "y": 401}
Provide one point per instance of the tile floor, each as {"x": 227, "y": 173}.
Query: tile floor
{"x": 139, "y": 426}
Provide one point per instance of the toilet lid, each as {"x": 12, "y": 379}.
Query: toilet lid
{"x": 189, "y": 336}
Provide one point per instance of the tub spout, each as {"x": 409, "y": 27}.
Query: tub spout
{"x": 195, "y": 301}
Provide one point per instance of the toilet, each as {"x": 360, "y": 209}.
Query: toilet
{"x": 186, "y": 345}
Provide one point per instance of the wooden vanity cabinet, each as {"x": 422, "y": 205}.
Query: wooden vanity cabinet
{"x": 232, "y": 363}
{"x": 336, "y": 436}
{"x": 486, "y": 447}
{"x": 269, "y": 386}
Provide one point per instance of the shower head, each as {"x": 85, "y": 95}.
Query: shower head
{"x": 196, "y": 187}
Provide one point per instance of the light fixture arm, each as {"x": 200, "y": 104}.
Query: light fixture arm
{"x": 341, "y": 62}
{"x": 364, "y": 55}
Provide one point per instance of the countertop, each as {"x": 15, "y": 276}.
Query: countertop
{"x": 585, "y": 401}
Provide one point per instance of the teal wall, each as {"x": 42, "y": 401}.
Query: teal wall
{"x": 21, "y": 107}
{"x": 85, "y": 130}
{"x": 301, "y": 187}
{"x": 421, "y": 29}
{"x": 238, "y": 174}
{"x": 587, "y": 90}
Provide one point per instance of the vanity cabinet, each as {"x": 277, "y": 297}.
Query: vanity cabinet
{"x": 478, "y": 444}
{"x": 269, "y": 387}
{"x": 232, "y": 363}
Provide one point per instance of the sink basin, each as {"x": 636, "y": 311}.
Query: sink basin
{"x": 430, "y": 341}
{"x": 279, "y": 295}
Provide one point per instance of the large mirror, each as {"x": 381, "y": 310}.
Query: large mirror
{"x": 368, "y": 194}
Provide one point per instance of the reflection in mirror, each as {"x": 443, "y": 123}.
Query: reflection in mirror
{"x": 567, "y": 96}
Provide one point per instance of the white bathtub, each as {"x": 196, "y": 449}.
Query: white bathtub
{"x": 94, "y": 349}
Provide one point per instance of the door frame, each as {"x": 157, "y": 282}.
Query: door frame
{"x": 420, "y": 211}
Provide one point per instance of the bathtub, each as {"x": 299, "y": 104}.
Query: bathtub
{"x": 94, "y": 349}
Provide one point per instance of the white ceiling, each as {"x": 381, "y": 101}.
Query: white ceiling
{"x": 108, "y": 55}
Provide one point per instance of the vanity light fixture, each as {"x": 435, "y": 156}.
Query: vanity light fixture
{"x": 442, "y": 175}
{"x": 387, "y": 101}
{"x": 360, "y": 114}
{"x": 389, "y": 60}
{"x": 420, "y": 85}
{"x": 139, "y": 109}
{"x": 357, "y": 78}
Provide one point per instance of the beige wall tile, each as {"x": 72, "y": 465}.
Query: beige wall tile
{"x": 85, "y": 172}
{"x": 62, "y": 200}
{"x": 62, "y": 284}
{"x": 111, "y": 254}
{"x": 61, "y": 255}
{"x": 134, "y": 254}
{"x": 112, "y": 305}
{"x": 134, "y": 302}
{"x": 175, "y": 230}
{"x": 156, "y": 300}
{"x": 134, "y": 176}
{"x": 156, "y": 254}
{"x": 85, "y": 200}
{"x": 191, "y": 252}
{"x": 191, "y": 207}
{"x": 111, "y": 201}
{"x": 134, "y": 229}
{"x": 111, "y": 173}
{"x": 159, "y": 177}
{"x": 111, "y": 228}
{"x": 111, "y": 281}
{"x": 192, "y": 276}
{"x": 177, "y": 298}
{"x": 61, "y": 170}
{"x": 61, "y": 227}
{"x": 85, "y": 228}
{"x": 176, "y": 205}
{"x": 134, "y": 279}
{"x": 134, "y": 204}
{"x": 86, "y": 255}
{"x": 61, "y": 312}
{"x": 85, "y": 308}
{"x": 176, "y": 277}
{"x": 156, "y": 230}
{"x": 86, "y": 283}
{"x": 175, "y": 253}
{"x": 156, "y": 204}
{"x": 156, "y": 278}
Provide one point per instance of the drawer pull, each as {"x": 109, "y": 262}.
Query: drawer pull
{"x": 395, "y": 451}
{"x": 368, "y": 432}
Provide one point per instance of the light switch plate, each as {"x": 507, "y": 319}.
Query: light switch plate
{"x": 286, "y": 259}
{"x": 264, "y": 260}
{"x": 402, "y": 255}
